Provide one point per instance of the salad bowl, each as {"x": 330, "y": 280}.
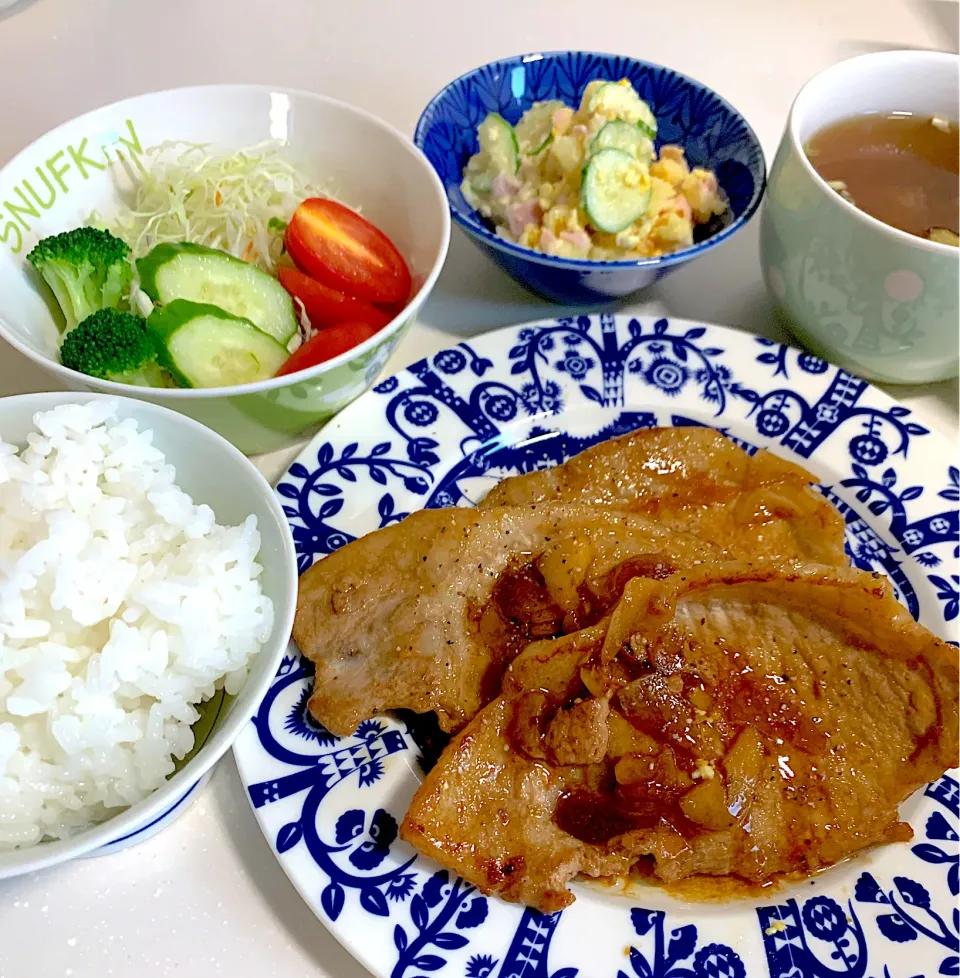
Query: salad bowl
{"x": 85, "y": 169}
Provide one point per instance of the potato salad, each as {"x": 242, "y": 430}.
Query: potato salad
{"x": 588, "y": 182}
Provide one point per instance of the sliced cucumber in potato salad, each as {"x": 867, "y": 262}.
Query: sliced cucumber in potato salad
{"x": 619, "y": 100}
{"x": 617, "y": 134}
{"x": 616, "y": 190}
{"x": 499, "y": 142}
{"x": 499, "y": 154}
{"x": 535, "y": 129}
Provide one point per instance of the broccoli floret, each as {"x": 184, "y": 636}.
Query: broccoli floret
{"x": 113, "y": 345}
{"x": 86, "y": 268}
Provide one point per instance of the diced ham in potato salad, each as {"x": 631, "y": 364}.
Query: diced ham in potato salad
{"x": 588, "y": 183}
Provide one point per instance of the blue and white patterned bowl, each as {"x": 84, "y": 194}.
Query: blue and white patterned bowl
{"x": 712, "y": 133}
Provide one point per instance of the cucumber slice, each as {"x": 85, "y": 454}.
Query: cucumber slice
{"x": 203, "y": 346}
{"x": 536, "y": 125}
{"x": 499, "y": 142}
{"x": 649, "y": 129}
{"x": 619, "y": 100}
{"x": 616, "y": 190}
{"x": 480, "y": 182}
{"x": 191, "y": 271}
{"x": 539, "y": 149}
{"x": 617, "y": 134}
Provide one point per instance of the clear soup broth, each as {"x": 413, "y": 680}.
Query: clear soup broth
{"x": 901, "y": 169}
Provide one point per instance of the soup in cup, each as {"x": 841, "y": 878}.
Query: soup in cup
{"x": 872, "y": 297}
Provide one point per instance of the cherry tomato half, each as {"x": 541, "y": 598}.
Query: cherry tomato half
{"x": 345, "y": 251}
{"x": 327, "y": 344}
{"x": 327, "y": 307}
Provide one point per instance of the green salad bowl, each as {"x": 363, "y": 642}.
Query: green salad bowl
{"x": 84, "y": 167}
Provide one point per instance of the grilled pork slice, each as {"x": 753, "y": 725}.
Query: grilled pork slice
{"x": 733, "y": 720}
{"x": 426, "y": 614}
{"x": 696, "y": 480}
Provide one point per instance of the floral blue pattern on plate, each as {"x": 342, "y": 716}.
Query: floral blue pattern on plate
{"x": 439, "y": 434}
{"x": 711, "y": 132}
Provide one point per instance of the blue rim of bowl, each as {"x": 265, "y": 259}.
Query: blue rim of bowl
{"x": 475, "y": 227}
{"x": 105, "y": 848}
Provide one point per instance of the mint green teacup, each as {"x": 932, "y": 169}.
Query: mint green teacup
{"x": 871, "y": 298}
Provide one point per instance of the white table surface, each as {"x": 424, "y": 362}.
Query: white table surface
{"x": 206, "y": 897}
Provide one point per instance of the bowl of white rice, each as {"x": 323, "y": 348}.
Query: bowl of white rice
{"x": 147, "y": 591}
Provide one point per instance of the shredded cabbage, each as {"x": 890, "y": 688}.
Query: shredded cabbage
{"x": 239, "y": 203}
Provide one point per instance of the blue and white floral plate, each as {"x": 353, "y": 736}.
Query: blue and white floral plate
{"x": 440, "y": 434}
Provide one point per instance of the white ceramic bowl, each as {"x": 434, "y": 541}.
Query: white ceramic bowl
{"x": 214, "y": 472}
{"x": 57, "y": 182}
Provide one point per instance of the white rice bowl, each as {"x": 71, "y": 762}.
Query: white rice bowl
{"x": 123, "y": 605}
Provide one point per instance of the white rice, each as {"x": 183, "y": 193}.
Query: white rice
{"x": 122, "y": 606}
